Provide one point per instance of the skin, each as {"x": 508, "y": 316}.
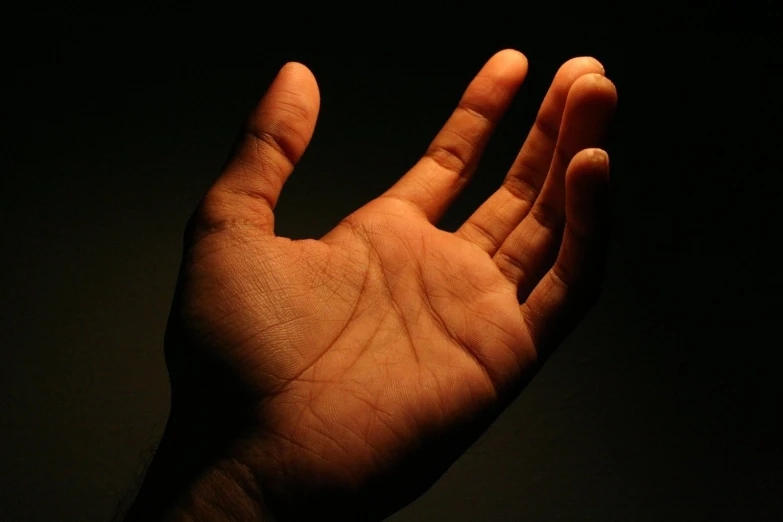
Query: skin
{"x": 338, "y": 378}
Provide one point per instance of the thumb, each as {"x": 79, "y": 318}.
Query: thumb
{"x": 274, "y": 138}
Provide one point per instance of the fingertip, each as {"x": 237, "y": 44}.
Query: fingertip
{"x": 511, "y": 56}
{"x": 587, "y": 191}
{"x": 595, "y": 86}
{"x": 570, "y": 72}
{"x": 574, "y": 68}
{"x": 595, "y": 80}
{"x": 589, "y": 169}
{"x": 508, "y": 63}
{"x": 591, "y": 62}
{"x": 294, "y": 67}
{"x": 296, "y": 72}
{"x": 598, "y": 157}
{"x": 295, "y": 77}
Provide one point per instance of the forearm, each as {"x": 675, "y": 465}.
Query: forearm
{"x": 185, "y": 482}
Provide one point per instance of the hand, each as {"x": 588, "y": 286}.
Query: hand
{"x": 340, "y": 377}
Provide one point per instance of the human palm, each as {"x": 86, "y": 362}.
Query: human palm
{"x": 363, "y": 363}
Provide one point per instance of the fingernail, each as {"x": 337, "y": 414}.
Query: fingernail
{"x": 599, "y": 64}
{"x": 599, "y": 156}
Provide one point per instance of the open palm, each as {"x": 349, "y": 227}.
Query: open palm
{"x": 359, "y": 366}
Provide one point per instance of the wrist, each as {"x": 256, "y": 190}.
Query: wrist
{"x": 193, "y": 477}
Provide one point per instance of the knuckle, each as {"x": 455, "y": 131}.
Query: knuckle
{"x": 221, "y": 210}
{"x": 479, "y": 230}
{"x": 521, "y": 188}
{"x": 547, "y": 216}
{"x": 278, "y": 140}
{"x": 483, "y": 100}
{"x": 513, "y": 267}
{"x": 546, "y": 128}
{"x": 449, "y": 156}
{"x": 212, "y": 207}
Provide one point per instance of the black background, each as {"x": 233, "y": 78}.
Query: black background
{"x": 661, "y": 406}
